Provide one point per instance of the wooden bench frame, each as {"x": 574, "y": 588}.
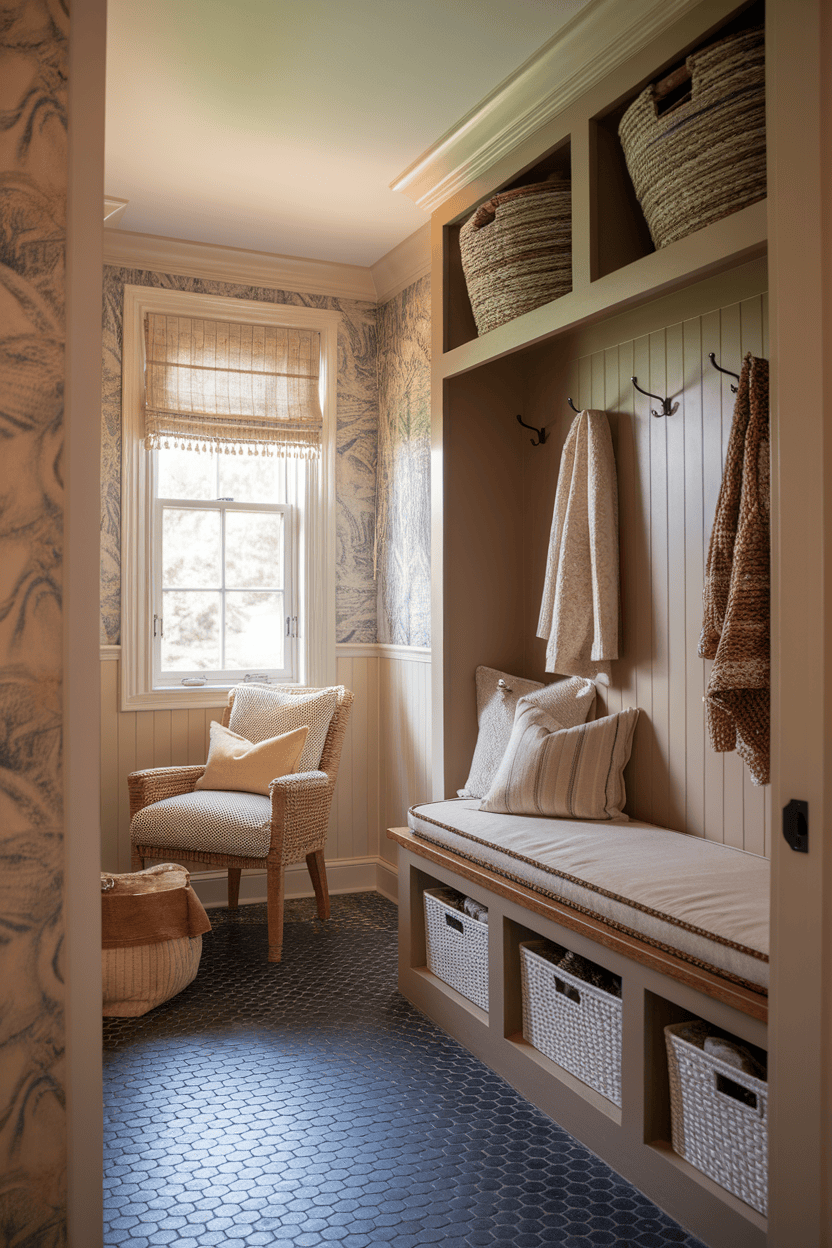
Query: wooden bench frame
{"x": 657, "y": 989}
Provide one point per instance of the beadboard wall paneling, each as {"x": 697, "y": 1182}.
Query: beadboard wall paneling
{"x": 404, "y": 745}
{"x": 669, "y": 475}
{"x": 385, "y": 759}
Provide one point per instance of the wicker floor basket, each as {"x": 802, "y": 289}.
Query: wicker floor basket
{"x": 719, "y": 1115}
{"x": 457, "y": 946}
{"x": 584, "y": 1035}
{"x": 704, "y": 157}
{"x": 517, "y": 251}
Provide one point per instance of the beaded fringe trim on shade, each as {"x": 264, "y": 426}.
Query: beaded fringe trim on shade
{"x": 287, "y": 443}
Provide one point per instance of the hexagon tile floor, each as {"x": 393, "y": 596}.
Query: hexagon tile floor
{"x": 309, "y": 1104}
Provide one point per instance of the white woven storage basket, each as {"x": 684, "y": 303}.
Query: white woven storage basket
{"x": 583, "y": 1036}
{"x": 705, "y": 157}
{"x": 719, "y": 1116}
{"x": 457, "y": 946}
{"x": 517, "y": 251}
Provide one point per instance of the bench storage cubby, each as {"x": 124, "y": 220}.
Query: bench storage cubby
{"x": 719, "y": 1115}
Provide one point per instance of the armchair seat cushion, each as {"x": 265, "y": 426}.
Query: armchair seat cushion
{"x": 210, "y": 820}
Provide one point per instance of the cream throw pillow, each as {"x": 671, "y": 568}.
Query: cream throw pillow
{"x": 568, "y": 701}
{"x": 260, "y": 712}
{"x": 236, "y": 763}
{"x": 572, "y": 773}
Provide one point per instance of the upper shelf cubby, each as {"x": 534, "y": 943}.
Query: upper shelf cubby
{"x": 615, "y": 262}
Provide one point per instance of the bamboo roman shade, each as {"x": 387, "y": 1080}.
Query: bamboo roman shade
{"x": 217, "y": 385}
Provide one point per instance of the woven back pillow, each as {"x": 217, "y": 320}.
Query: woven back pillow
{"x": 568, "y": 702}
{"x": 571, "y": 773}
{"x": 259, "y": 712}
{"x": 234, "y": 763}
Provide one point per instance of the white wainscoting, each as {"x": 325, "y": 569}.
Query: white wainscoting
{"x": 385, "y": 765}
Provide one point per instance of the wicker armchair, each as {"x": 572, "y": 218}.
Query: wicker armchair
{"x": 299, "y": 815}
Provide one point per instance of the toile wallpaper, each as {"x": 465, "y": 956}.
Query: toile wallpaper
{"x": 356, "y": 444}
{"x": 33, "y": 181}
{"x": 403, "y": 510}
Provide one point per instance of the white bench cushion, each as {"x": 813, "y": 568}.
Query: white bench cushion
{"x": 704, "y": 902}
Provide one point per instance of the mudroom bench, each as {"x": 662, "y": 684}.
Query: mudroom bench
{"x": 682, "y": 923}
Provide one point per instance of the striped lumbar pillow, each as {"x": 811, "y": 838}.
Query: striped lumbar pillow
{"x": 572, "y": 773}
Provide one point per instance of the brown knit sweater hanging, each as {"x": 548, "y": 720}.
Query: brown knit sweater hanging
{"x": 736, "y": 621}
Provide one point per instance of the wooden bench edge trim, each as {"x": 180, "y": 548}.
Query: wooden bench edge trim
{"x": 755, "y": 1005}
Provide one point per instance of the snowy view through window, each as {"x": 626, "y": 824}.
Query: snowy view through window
{"x": 223, "y": 561}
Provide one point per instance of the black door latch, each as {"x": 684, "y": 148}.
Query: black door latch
{"x": 796, "y": 825}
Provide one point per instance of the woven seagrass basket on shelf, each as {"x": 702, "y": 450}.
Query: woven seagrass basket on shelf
{"x": 517, "y": 251}
{"x": 704, "y": 156}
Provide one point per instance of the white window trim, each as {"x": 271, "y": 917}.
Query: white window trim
{"x": 315, "y": 530}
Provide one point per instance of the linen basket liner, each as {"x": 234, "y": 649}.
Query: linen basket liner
{"x": 148, "y": 918}
{"x": 608, "y": 922}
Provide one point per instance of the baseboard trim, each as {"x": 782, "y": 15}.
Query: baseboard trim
{"x": 346, "y": 875}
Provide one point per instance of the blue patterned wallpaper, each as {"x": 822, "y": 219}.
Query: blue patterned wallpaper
{"x": 356, "y": 442}
{"x": 33, "y": 176}
{"x": 403, "y": 513}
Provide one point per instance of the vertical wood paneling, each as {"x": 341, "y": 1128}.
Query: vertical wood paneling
{"x": 404, "y": 737}
{"x": 641, "y": 642}
{"x": 110, "y": 858}
{"x": 126, "y": 733}
{"x": 712, "y": 461}
{"x": 669, "y": 476}
{"x": 694, "y": 578}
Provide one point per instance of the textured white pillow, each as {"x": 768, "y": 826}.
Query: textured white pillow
{"x": 570, "y": 773}
{"x": 235, "y": 763}
{"x": 259, "y": 712}
{"x": 568, "y": 701}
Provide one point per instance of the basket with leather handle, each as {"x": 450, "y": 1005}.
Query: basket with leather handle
{"x": 517, "y": 251}
{"x": 695, "y": 143}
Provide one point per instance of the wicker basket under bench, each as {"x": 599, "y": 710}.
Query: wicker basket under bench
{"x": 658, "y": 989}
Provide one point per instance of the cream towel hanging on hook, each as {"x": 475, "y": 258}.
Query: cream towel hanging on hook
{"x": 579, "y": 611}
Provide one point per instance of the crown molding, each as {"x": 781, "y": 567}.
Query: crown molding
{"x": 232, "y": 264}
{"x": 403, "y": 264}
{"x": 598, "y": 39}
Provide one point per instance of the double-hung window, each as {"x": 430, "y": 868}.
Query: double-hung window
{"x": 227, "y": 498}
{"x": 223, "y": 569}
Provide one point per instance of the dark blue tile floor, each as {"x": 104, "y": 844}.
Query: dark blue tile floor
{"x": 309, "y": 1104}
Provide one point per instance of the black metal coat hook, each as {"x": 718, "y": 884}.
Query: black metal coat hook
{"x": 574, "y": 408}
{"x": 667, "y": 409}
{"x": 712, "y": 358}
{"x": 541, "y": 433}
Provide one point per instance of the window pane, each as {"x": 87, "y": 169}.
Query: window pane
{"x": 253, "y": 550}
{"x": 191, "y": 550}
{"x": 186, "y": 474}
{"x": 254, "y": 630}
{"x": 191, "y": 632}
{"x": 252, "y": 478}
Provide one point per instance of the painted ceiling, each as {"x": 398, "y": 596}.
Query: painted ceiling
{"x": 278, "y": 125}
